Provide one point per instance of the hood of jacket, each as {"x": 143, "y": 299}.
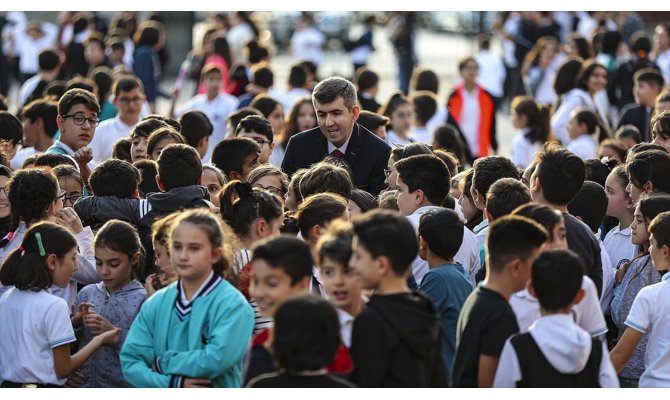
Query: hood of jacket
{"x": 564, "y": 344}
{"x": 177, "y": 198}
{"x": 131, "y": 286}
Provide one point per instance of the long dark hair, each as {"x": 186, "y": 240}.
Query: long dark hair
{"x": 241, "y": 205}
{"x": 120, "y": 236}
{"x": 537, "y": 117}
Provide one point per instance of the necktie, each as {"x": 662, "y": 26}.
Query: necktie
{"x": 315, "y": 283}
{"x": 337, "y": 154}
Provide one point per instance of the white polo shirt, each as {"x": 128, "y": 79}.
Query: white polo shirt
{"x": 106, "y": 134}
{"x": 34, "y": 323}
{"x": 650, "y": 314}
{"x": 346, "y": 326}
{"x": 618, "y": 245}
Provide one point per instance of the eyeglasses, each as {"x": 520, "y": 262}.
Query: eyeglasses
{"x": 61, "y": 196}
{"x": 260, "y": 141}
{"x": 272, "y": 189}
{"x": 135, "y": 100}
{"x": 79, "y": 119}
{"x": 72, "y": 198}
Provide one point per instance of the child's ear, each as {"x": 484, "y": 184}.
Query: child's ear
{"x": 423, "y": 248}
{"x": 234, "y": 175}
{"x": 217, "y": 253}
{"x": 535, "y": 185}
{"x": 418, "y": 196}
{"x": 578, "y": 297}
{"x": 648, "y": 187}
{"x": 261, "y": 226}
{"x": 384, "y": 265}
{"x": 135, "y": 258}
{"x": 52, "y": 260}
{"x": 314, "y": 233}
{"x": 514, "y": 266}
{"x": 159, "y": 183}
{"x": 488, "y": 215}
{"x": 135, "y": 194}
{"x": 59, "y": 122}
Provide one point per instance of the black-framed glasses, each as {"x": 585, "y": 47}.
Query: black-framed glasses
{"x": 79, "y": 119}
{"x": 260, "y": 141}
{"x": 272, "y": 189}
{"x": 73, "y": 198}
{"x": 61, "y": 196}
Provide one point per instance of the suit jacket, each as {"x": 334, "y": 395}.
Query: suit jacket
{"x": 635, "y": 114}
{"x": 367, "y": 156}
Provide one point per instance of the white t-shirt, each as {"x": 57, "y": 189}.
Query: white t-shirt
{"x": 491, "y": 72}
{"x": 28, "y": 88}
{"x": 523, "y": 151}
{"x": 587, "y": 314}
{"x": 650, "y": 314}
{"x": 28, "y": 49}
{"x": 421, "y": 135}
{"x": 106, "y": 134}
{"x": 470, "y": 119}
{"x": 21, "y": 156}
{"x": 34, "y": 323}
{"x": 619, "y": 247}
{"x": 608, "y": 280}
{"x": 216, "y": 110}
{"x": 584, "y": 146}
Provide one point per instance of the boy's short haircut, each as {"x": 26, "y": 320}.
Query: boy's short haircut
{"x": 126, "y": 83}
{"x": 255, "y": 124}
{"x": 464, "y": 61}
{"x": 442, "y": 229}
{"x": 54, "y": 159}
{"x": 121, "y": 149}
{"x": 263, "y": 75}
{"x": 96, "y": 37}
{"x": 146, "y": 127}
{"x": 371, "y": 121}
{"x": 557, "y": 277}
{"x": 505, "y": 195}
{"x": 424, "y": 104}
{"x": 297, "y": 77}
{"x": 288, "y": 253}
{"x": 306, "y": 334}
{"x": 114, "y": 177}
{"x": 660, "y": 228}
{"x": 650, "y": 76}
{"x": 590, "y": 205}
{"x": 449, "y": 160}
{"x": 628, "y": 131}
{"x": 179, "y": 165}
{"x": 148, "y": 170}
{"x": 561, "y": 174}
{"x": 116, "y": 45}
{"x": 80, "y": 82}
{"x": 487, "y": 170}
{"x": 319, "y": 209}
{"x": 512, "y": 237}
{"x": 428, "y": 173}
{"x": 366, "y": 79}
{"x": 77, "y": 96}
{"x": 388, "y": 200}
{"x": 336, "y": 244}
{"x": 195, "y": 125}
{"x": 235, "y": 117}
{"x": 10, "y": 128}
{"x": 229, "y": 155}
{"x": 387, "y": 233}
{"x": 162, "y": 134}
{"x": 325, "y": 177}
{"x": 209, "y": 69}
{"x": 48, "y": 59}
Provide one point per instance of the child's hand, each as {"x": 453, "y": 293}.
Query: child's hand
{"x": 197, "y": 383}
{"x": 77, "y": 315}
{"x": 621, "y": 272}
{"x": 68, "y": 218}
{"x": 83, "y": 155}
{"x": 149, "y": 284}
{"x": 97, "y": 323}
{"x": 75, "y": 380}
{"x": 110, "y": 337}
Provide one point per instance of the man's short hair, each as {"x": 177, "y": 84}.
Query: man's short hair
{"x": 126, "y": 83}
{"x": 512, "y": 237}
{"x": 428, "y": 173}
{"x": 650, "y": 76}
{"x": 195, "y": 125}
{"x": 45, "y": 108}
{"x": 255, "y": 124}
{"x": 442, "y": 229}
{"x": 114, "y": 177}
{"x": 77, "y": 96}
{"x": 505, "y": 195}
{"x": 561, "y": 174}
{"x": 325, "y": 177}
{"x": 487, "y": 170}
{"x": 557, "y": 277}
{"x": 590, "y": 205}
{"x": 329, "y": 89}
{"x": 229, "y": 155}
{"x": 179, "y": 165}
{"x": 287, "y": 253}
{"x": 387, "y": 233}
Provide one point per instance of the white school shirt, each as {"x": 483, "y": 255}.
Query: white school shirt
{"x": 21, "y": 156}
{"x": 28, "y": 88}
{"x": 217, "y": 111}
{"x": 481, "y": 231}
{"x": 439, "y": 118}
{"x": 584, "y": 146}
{"x": 346, "y": 326}
{"x": 566, "y": 347}
{"x": 619, "y": 247}
{"x": 394, "y": 140}
{"x": 467, "y": 255}
{"x": 317, "y": 275}
{"x": 663, "y": 62}
{"x": 650, "y": 314}
{"x": 106, "y": 134}
{"x": 491, "y": 72}
{"x": 34, "y": 323}
{"x": 608, "y": 279}
{"x": 307, "y": 44}
{"x": 587, "y": 314}
{"x": 288, "y": 97}
{"x": 523, "y": 151}
{"x": 421, "y": 135}
{"x": 470, "y": 119}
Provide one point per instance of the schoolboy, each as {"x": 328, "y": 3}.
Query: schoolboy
{"x": 49, "y": 61}
{"x": 114, "y": 177}
{"x": 660, "y": 130}
{"x": 333, "y": 252}
{"x": 648, "y": 84}
{"x": 396, "y": 339}
{"x": 423, "y": 183}
{"x": 650, "y": 314}
{"x": 447, "y": 283}
{"x": 236, "y": 157}
{"x": 214, "y": 103}
{"x": 555, "y": 352}
{"x": 259, "y": 130}
{"x": 128, "y": 99}
{"x": 424, "y": 104}
{"x": 197, "y": 130}
{"x": 374, "y": 122}
{"x": 556, "y": 180}
{"x": 39, "y": 128}
{"x": 486, "y": 319}
{"x": 324, "y": 177}
{"x": 77, "y": 120}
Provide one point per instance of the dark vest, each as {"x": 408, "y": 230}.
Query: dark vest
{"x": 537, "y": 372}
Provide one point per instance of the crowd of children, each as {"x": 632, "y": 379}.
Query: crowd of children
{"x": 154, "y": 252}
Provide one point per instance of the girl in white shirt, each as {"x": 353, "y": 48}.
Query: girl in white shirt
{"x": 399, "y": 110}
{"x": 532, "y": 121}
{"x": 583, "y": 128}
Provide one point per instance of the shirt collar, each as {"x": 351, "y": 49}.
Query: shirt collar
{"x": 665, "y": 277}
{"x": 65, "y": 147}
{"x": 183, "y": 305}
{"x": 343, "y": 148}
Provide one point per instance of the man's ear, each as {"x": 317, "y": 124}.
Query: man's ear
{"x": 419, "y": 196}
{"x": 160, "y": 184}
{"x": 234, "y": 175}
{"x": 355, "y": 111}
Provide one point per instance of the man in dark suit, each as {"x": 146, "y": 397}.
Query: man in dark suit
{"x": 339, "y": 135}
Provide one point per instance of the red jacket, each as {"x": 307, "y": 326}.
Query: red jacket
{"x": 487, "y": 123}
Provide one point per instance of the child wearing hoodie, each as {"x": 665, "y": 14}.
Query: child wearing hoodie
{"x": 555, "y": 352}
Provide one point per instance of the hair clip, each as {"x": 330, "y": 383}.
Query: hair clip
{"x": 20, "y": 248}
{"x": 38, "y": 236}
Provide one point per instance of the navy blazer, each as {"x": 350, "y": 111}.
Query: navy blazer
{"x": 367, "y": 156}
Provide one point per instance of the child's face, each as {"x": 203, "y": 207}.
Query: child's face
{"x": 272, "y": 184}
{"x": 402, "y": 118}
{"x": 265, "y": 145}
{"x": 628, "y": 142}
{"x": 518, "y": 120}
{"x": 468, "y": 207}
{"x": 159, "y": 147}
{"x": 407, "y": 202}
{"x": 658, "y": 255}
{"x": 73, "y": 135}
{"x": 64, "y": 268}
{"x": 469, "y": 72}
{"x": 211, "y": 182}
{"x": 645, "y": 93}
{"x": 272, "y": 286}
{"x": 364, "y": 266}
{"x": 342, "y": 285}
{"x": 73, "y": 190}
{"x": 392, "y": 174}
{"x": 306, "y": 117}
{"x": 212, "y": 83}
{"x": 5, "y": 210}
{"x": 114, "y": 267}
{"x": 166, "y": 272}
{"x": 138, "y": 148}
{"x": 276, "y": 119}
{"x": 575, "y": 129}
{"x": 130, "y": 104}
{"x": 558, "y": 239}
{"x": 192, "y": 253}
{"x": 250, "y": 162}
{"x": 661, "y": 140}
{"x": 31, "y": 131}
{"x": 634, "y": 192}
{"x": 94, "y": 53}
{"x": 618, "y": 200}
{"x": 291, "y": 202}
{"x": 639, "y": 234}
{"x": 597, "y": 81}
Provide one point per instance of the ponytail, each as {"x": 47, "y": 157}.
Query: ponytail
{"x": 241, "y": 205}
